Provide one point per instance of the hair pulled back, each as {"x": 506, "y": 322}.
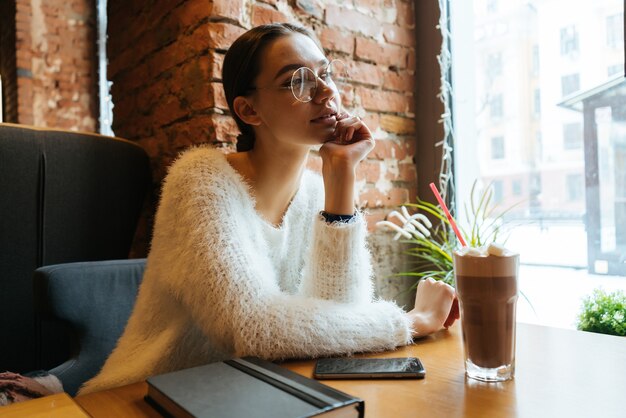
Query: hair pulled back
{"x": 242, "y": 65}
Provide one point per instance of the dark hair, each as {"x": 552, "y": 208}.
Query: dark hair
{"x": 242, "y": 65}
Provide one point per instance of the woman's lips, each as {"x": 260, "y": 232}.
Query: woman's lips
{"x": 326, "y": 120}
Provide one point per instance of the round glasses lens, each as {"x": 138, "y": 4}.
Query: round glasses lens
{"x": 338, "y": 72}
{"x": 303, "y": 84}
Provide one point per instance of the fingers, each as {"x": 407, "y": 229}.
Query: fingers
{"x": 453, "y": 315}
{"x": 350, "y": 129}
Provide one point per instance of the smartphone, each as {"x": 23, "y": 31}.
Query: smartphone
{"x": 369, "y": 368}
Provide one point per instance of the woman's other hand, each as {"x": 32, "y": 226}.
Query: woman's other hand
{"x": 436, "y": 306}
{"x": 18, "y": 388}
{"x": 351, "y": 143}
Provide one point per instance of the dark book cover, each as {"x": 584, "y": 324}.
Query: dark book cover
{"x": 247, "y": 387}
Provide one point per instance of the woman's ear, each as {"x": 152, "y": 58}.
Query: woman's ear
{"x": 245, "y": 110}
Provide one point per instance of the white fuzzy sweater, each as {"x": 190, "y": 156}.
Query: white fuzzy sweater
{"x": 222, "y": 282}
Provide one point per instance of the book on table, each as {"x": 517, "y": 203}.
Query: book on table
{"x": 247, "y": 387}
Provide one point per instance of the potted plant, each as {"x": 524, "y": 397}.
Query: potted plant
{"x": 431, "y": 247}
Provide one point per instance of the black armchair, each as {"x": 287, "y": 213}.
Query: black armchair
{"x": 64, "y": 197}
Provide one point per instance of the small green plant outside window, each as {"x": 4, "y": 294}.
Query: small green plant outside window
{"x": 604, "y": 313}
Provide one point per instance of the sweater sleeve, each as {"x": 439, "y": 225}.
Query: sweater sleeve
{"x": 208, "y": 263}
{"x": 338, "y": 265}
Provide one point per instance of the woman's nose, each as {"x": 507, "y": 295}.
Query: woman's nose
{"x": 324, "y": 91}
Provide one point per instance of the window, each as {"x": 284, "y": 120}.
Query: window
{"x": 492, "y": 6}
{"x": 575, "y": 187}
{"x": 556, "y": 59}
{"x": 537, "y": 102}
{"x": 572, "y": 136}
{"x": 498, "y": 191}
{"x": 535, "y": 60}
{"x": 495, "y": 107}
{"x": 494, "y": 65}
{"x": 497, "y": 147}
{"x": 569, "y": 40}
{"x": 615, "y": 31}
{"x": 615, "y": 69}
{"x": 570, "y": 84}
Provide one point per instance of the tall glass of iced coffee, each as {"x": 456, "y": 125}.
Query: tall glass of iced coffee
{"x": 486, "y": 286}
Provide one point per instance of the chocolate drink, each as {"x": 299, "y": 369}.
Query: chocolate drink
{"x": 487, "y": 292}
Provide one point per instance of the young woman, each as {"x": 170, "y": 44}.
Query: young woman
{"x": 253, "y": 254}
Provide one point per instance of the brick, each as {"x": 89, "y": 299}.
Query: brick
{"x": 196, "y": 130}
{"x": 337, "y": 40}
{"x": 388, "y": 149}
{"x": 262, "y": 15}
{"x": 368, "y": 170}
{"x": 190, "y": 13}
{"x": 399, "y": 81}
{"x": 406, "y": 14}
{"x": 408, "y": 172}
{"x": 383, "y": 10}
{"x": 372, "y": 120}
{"x": 384, "y": 101}
{"x": 365, "y": 73}
{"x": 398, "y": 35}
{"x": 217, "y": 62}
{"x": 168, "y": 109}
{"x": 310, "y": 7}
{"x": 190, "y": 82}
{"x": 373, "y": 198}
{"x": 411, "y": 60}
{"x": 397, "y": 124}
{"x": 219, "y": 96}
{"x": 352, "y": 20}
{"x": 225, "y": 128}
{"x": 231, "y": 9}
{"x": 222, "y": 35}
{"x": 383, "y": 54}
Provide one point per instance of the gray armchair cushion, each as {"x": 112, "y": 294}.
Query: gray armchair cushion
{"x": 95, "y": 299}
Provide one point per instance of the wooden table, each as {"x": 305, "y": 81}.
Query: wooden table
{"x": 57, "y": 405}
{"x": 560, "y": 373}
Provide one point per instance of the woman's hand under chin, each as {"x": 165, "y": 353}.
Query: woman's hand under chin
{"x": 350, "y": 143}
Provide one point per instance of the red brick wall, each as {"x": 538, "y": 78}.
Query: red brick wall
{"x": 165, "y": 64}
{"x": 8, "y": 69}
{"x": 56, "y": 64}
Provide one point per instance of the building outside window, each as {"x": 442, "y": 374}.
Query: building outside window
{"x": 569, "y": 40}
{"x": 570, "y": 84}
{"x": 572, "y": 136}
{"x": 615, "y": 31}
{"x": 575, "y": 187}
{"x": 494, "y": 65}
{"x": 568, "y": 209}
{"x": 535, "y": 60}
{"x": 497, "y": 147}
{"x": 495, "y": 107}
{"x": 615, "y": 69}
{"x": 537, "y": 102}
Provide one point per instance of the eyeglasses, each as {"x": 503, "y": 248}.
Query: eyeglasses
{"x": 304, "y": 81}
